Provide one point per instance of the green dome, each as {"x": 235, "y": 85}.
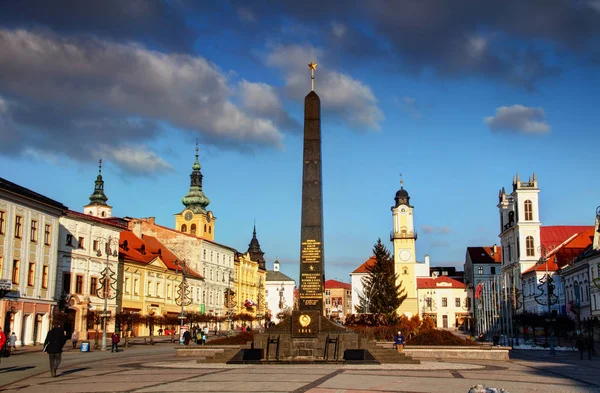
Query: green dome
{"x": 195, "y": 200}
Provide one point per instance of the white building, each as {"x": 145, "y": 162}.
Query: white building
{"x": 82, "y": 257}
{"x": 444, "y": 299}
{"x": 279, "y": 293}
{"x": 481, "y": 264}
{"x": 28, "y": 250}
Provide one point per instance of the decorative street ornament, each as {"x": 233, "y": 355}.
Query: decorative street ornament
{"x": 108, "y": 284}
{"x": 546, "y": 297}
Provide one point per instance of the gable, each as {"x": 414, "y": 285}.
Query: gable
{"x": 158, "y": 262}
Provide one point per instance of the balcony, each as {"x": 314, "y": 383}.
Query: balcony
{"x": 403, "y": 235}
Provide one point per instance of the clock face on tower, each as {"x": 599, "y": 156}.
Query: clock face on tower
{"x": 188, "y": 216}
{"x": 405, "y": 255}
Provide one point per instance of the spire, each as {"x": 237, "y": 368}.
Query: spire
{"x": 98, "y": 197}
{"x": 402, "y": 197}
{"x": 256, "y": 254}
{"x": 195, "y": 200}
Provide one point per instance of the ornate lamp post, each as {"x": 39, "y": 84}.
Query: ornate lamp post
{"x": 546, "y": 296}
{"x": 183, "y": 294}
{"x": 108, "y": 281}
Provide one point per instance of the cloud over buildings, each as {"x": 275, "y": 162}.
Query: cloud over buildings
{"x": 518, "y": 118}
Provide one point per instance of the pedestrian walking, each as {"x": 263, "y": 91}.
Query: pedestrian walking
{"x": 12, "y": 342}
{"x": 2, "y": 342}
{"x": 53, "y": 345}
{"x": 115, "y": 339}
{"x": 187, "y": 337}
{"x": 74, "y": 339}
{"x": 580, "y": 344}
{"x": 160, "y": 332}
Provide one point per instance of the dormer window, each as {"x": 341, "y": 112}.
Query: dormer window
{"x": 125, "y": 245}
{"x": 143, "y": 249}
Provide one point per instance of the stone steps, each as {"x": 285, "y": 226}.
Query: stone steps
{"x": 385, "y": 353}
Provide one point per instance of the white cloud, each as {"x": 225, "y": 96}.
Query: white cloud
{"x": 429, "y": 229}
{"x": 350, "y": 99}
{"x": 95, "y": 88}
{"x": 135, "y": 158}
{"x": 261, "y": 99}
{"x": 338, "y": 29}
{"x": 519, "y": 118}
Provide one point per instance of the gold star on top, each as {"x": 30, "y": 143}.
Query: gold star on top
{"x": 313, "y": 65}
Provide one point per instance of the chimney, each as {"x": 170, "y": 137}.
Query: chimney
{"x": 136, "y": 227}
{"x": 276, "y": 266}
{"x": 493, "y": 250}
{"x": 427, "y": 259}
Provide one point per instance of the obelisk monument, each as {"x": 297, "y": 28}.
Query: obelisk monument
{"x": 312, "y": 271}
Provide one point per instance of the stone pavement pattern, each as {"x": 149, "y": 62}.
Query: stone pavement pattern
{"x": 155, "y": 369}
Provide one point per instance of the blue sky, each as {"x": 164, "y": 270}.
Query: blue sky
{"x": 457, "y": 99}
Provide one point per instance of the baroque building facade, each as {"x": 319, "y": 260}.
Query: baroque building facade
{"x": 29, "y": 238}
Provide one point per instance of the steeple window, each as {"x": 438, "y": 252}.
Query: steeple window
{"x": 183, "y": 228}
{"x": 193, "y": 229}
{"x": 204, "y": 227}
{"x": 530, "y": 250}
{"x": 209, "y": 229}
{"x": 528, "y": 210}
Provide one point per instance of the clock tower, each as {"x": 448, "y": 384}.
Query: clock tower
{"x": 404, "y": 237}
{"x": 195, "y": 219}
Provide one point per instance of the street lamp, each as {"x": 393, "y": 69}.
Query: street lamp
{"x": 107, "y": 288}
{"x": 547, "y": 298}
{"x": 183, "y": 294}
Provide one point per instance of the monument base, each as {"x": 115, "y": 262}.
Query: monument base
{"x": 307, "y": 336}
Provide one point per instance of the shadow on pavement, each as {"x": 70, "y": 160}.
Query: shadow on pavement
{"x": 12, "y": 369}
{"x": 75, "y": 370}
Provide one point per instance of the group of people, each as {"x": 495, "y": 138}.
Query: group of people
{"x": 8, "y": 343}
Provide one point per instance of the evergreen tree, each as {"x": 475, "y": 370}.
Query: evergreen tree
{"x": 380, "y": 294}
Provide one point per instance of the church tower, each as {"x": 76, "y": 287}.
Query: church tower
{"x": 195, "y": 219}
{"x": 97, "y": 206}
{"x": 256, "y": 254}
{"x": 404, "y": 237}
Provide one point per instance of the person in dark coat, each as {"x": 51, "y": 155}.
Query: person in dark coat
{"x": 53, "y": 345}
{"x": 187, "y": 337}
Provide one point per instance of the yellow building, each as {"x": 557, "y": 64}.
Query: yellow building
{"x": 249, "y": 286}
{"x": 151, "y": 280}
{"x": 195, "y": 219}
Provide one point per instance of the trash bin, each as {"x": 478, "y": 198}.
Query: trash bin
{"x": 85, "y": 346}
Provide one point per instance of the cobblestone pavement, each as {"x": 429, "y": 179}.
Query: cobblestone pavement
{"x": 155, "y": 369}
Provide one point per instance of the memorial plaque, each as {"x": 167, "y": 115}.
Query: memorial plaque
{"x": 311, "y": 232}
{"x": 305, "y": 323}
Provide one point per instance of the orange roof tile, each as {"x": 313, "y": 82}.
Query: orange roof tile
{"x": 331, "y": 284}
{"x": 564, "y": 253}
{"x": 431, "y": 282}
{"x": 368, "y": 263}
{"x": 553, "y": 236}
{"x": 146, "y": 250}
{"x": 485, "y": 254}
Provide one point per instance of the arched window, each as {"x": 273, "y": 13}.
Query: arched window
{"x": 209, "y": 229}
{"x": 529, "y": 246}
{"x": 103, "y": 214}
{"x": 204, "y": 254}
{"x": 193, "y": 229}
{"x": 183, "y": 228}
{"x": 528, "y": 210}
{"x": 204, "y": 227}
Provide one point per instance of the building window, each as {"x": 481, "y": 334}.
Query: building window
{"x": 2, "y": 221}
{"x": 15, "y": 271}
{"x": 528, "y": 210}
{"x": 67, "y": 283}
{"x": 136, "y": 286}
{"x": 468, "y": 303}
{"x": 193, "y": 229}
{"x": 149, "y": 289}
{"x": 480, "y": 270}
{"x": 327, "y": 292}
{"x": 204, "y": 227}
{"x": 45, "y": 277}
{"x": 183, "y": 228}
{"x": 31, "y": 274}
{"x": 444, "y": 302}
{"x": 457, "y": 302}
{"x": 493, "y": 270}
{"x": 209, "y": 229}
{"x": 157, "y": 289}
{"x": 96, "y": 245}
{"x": 529, "y": 246}
{"x": 47, "y": 232}
{"x": 168, "y": 291}
{"x": 69, "y": 240}
{"x": 79, "y": 284}
{"x": 81, "y": 242}
{"x": 18, "y": 227}
{"x": 34, "y": 233}
{"x": 94, "y": 286}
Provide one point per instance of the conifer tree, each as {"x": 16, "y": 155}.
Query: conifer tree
{"x": 380, "y": 294}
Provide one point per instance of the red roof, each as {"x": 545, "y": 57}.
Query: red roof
{"x": 431, "y": 282}
{"x": 332, "y": 284}
{"x": 485, "y": 254}
{"x": 565, "y": 253}
{"x": 146, "y": 250}
{"x": 553, "y": 236}
{"x": 368, "y": 263}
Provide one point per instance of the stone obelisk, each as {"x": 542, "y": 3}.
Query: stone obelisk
{"x": 310, "y": 304}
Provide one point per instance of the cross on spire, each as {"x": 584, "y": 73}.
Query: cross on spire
{"x": 100, "y": 166}
{"x": 401, "y": 181}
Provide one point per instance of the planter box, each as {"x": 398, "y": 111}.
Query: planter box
{"x": 466, "y": 352}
